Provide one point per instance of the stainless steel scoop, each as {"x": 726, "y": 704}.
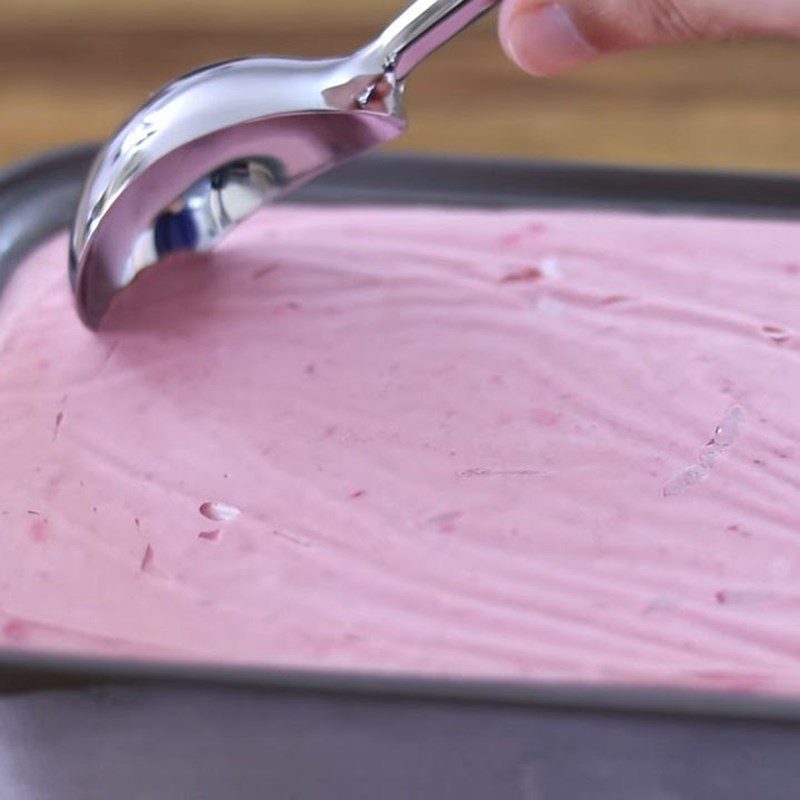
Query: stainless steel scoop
{"x": 212, "y": 147}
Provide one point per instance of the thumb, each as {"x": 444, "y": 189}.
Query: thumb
{"x": 547, "y": 36}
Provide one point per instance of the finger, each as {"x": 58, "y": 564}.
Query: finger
{"x": 544, "y": 37}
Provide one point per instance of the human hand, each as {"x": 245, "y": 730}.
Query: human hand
{"x": 544, "y": 37}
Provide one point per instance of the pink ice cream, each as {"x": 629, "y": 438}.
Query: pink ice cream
{"x": 549, "y": 446}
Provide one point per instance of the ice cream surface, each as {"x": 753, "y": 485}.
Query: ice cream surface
{"x": 544, "y": 445}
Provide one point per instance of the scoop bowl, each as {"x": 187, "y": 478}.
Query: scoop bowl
{"x": 214, "y": 146}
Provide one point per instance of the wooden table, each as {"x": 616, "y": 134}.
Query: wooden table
{"x": 70, "y": 70}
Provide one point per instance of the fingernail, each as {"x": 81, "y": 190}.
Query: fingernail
{"x": 543, "y": 39}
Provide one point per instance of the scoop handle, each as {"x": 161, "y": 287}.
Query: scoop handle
{"x": 423, "y": 27}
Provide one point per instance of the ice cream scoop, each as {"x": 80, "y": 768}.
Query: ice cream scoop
{"x": 212, "y": 147}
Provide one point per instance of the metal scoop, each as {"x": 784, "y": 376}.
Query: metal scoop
{"x": 211, "y": 148}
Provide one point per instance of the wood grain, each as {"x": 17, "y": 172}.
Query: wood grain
{"x": 70, "y": 70}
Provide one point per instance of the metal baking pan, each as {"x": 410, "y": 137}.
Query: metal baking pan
{"x": 76, "y": 728}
